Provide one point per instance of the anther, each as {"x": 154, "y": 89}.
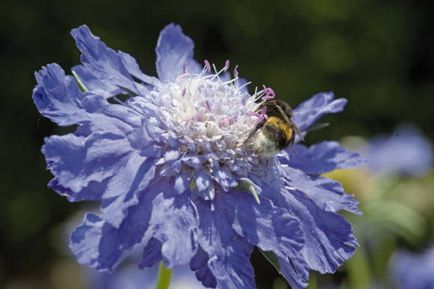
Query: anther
{"x": 207, "y": 65}
{"x": 268, "y": 93}
{"x": 236, "y": 71}
{"x": 226, "y": 67}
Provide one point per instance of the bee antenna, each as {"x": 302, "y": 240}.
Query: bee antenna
{"x": 283, "y": 113}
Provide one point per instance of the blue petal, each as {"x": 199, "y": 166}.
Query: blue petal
{"x": 228, "y": 252}
{"x": 174, "y": 54}
{"x": 103, "y": 246}
{"x": 405, "y": 152}
{"x": 85, "y": 240}
{"x": 329, "y": 239}
{"x": 413, "y": 270}
{"x": 326, "y": 193}
{"x": 181, "y": 183}
{"x": 203, "y": 181}
{"x": 199, "y": 264}
{"x": 224, "y": 178}
{"x": 151, "y": 254}
{"x": 123, "y": 189}
{"x": 320, "y": 158}
{"x": 82, "y": 166}
{"x": 94, "y": 84}
{"x": 174, "y": 221}
{"x": 57, "y": 96}
{"x": 318, "y": 105}
{"x": 134, "y": 70}
{"x": 115, "y": 69}
{"x": 271, "y": 229}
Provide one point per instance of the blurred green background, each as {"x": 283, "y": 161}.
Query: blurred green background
{"x": 377, "y": 54}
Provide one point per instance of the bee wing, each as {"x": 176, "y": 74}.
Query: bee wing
{"x": 318, "y": 126}
{"x": 299, "y": 136}
{"x": 245, "y": 138}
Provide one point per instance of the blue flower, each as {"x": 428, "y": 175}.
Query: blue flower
{"x": 130, "y": 277}
{"x": 168, "y": 171}
{"x": 405, "y": 152}
{"x": 413, "y": 270}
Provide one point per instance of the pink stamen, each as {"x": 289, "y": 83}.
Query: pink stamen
{"x": 263, "y": 112}
{"x": 260, "y": 114}
{"x": 236, "y": 71}
{"x": 183, "y": 75}
{"x": 207, "y": 66}
{"x": 268, "y": 93}
{"x": 227, "y": 120}
{"x": 227, "y": 63}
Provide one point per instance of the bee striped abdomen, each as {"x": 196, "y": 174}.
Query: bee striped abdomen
{"x": 277, "y": 131}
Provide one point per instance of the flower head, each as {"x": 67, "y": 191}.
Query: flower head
{"x": 405, "y": 152}
{"x": 413, "y": 270}
{"x": 171, "y": 177}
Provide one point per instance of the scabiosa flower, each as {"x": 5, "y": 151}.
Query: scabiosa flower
{"x": 167, "y": 166}
{"x": 405, "y": 152}
{"x": 413, "y": 270}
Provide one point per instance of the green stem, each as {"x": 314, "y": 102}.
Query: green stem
{"x": 164, "y": 276}
{"x": 312, "y": 282}
{"x": 359, "y": 270}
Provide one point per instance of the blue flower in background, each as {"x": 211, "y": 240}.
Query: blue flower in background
{"x": 405, "y": 152}
{"x": 130, "y": 277}
{"x": 165, "y": 164}
{"x": 413, "y": 270}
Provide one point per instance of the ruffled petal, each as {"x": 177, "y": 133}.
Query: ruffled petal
{"x": 308, "y": 112}
{"x": 228, "y": 252}
{"x": 272, "y": 229}
{"x": 326, "y": 193}
{"x": 123, "y": 189}
{"x": 329, "y": 239}
{"x": 103, "y": 64}
{"x": 199, "y": 264}
{"x": 58, "y": 97}
{"x": 174, "y": 54}
{"x": 174, "y": 223}
{"x": 82, "y": 166}
{"x": 151, "y": 254}
{"x": 85, "y": 240}
{"x": 94, "y": 84}
{"x": 101, "y": 245}
{"x": 320, "y": 158}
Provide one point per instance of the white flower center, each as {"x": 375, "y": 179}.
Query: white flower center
{"x": 207, "y": 108}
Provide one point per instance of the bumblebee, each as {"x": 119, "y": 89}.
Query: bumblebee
{"x": 277, "y": 131}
